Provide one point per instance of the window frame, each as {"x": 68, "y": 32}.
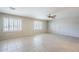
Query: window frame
{"x": 10, "y": 22}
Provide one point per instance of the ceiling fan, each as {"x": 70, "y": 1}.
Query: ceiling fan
{"x": 51, "y": 16}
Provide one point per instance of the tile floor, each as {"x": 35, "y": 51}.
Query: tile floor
{"x": 41, "y": 43}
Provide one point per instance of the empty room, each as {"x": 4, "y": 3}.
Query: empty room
{"x": 39, "y": 29}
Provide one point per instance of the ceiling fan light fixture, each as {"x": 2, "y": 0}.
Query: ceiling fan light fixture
{"x": 51, "y": 16}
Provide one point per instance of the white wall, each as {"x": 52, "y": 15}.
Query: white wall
{"x": 66, "y": 22}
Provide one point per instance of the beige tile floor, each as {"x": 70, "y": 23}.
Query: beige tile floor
{"x": 41, "y": 43}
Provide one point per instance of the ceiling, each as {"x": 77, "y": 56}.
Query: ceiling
{"x": 33, "y": 12}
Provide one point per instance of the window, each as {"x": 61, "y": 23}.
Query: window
{"x": 11, "y": 24}
{"x": 37, "y": 25}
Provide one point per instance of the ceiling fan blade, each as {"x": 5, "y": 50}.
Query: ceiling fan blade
{"x": 49, "y": 16}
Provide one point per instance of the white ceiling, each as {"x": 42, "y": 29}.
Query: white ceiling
{"x": 34, "y": 12}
